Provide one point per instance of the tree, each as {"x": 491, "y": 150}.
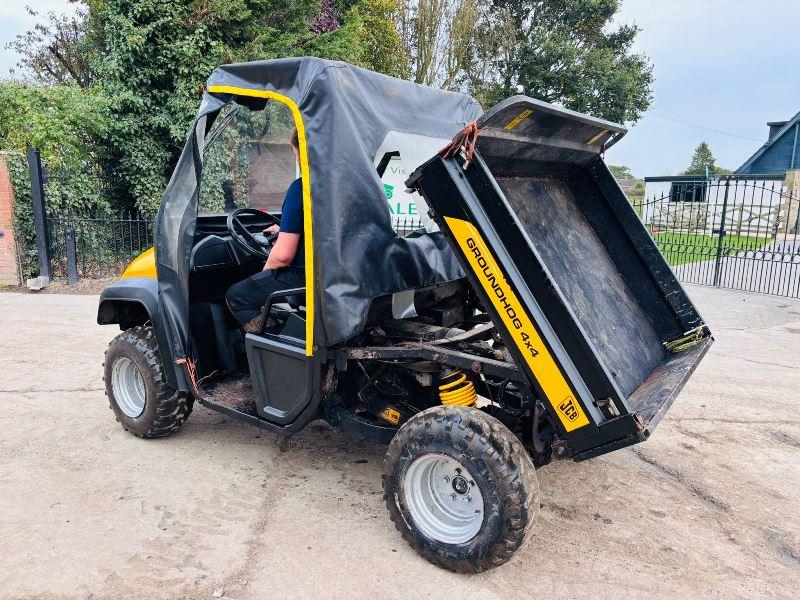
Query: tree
{"x": 621, "y": 172}
{"x": 68, "y": 125}
{"x": 147, "y": 61}
{"x": 703, "y": 162}
{"x": 438, "y": 36}
{"x": 158, "y": 55}
{"x": 569, "y": 51}
{"x": 60, "y": 50}
{"x": 565, "y": 51}
{"x": 380, "y": 46}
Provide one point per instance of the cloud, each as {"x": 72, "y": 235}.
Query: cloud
{"x": 14, "y": 19}
{"x": 16, "y": 9}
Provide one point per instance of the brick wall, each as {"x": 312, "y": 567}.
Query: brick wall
{"x": 9, "y": 272}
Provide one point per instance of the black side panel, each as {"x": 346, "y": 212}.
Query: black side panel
{"x": 632, "y": 250}
{"x": 142, "y": 292}
{"x": 284, "y": 378}
{"x": 654, "y": 397}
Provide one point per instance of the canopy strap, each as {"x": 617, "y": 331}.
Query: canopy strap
{"x": 464, "y": 141}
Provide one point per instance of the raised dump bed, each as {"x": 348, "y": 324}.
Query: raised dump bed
{"x": 577, "y": 287}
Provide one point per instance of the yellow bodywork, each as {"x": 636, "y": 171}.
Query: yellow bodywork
{"x": 143, "y": 265}
{"x": 519, "y": 324}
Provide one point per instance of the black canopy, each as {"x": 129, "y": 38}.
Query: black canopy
{"x": 345, "y": 116}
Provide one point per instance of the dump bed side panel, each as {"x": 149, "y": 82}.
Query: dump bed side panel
{"x": 518, "y": 292}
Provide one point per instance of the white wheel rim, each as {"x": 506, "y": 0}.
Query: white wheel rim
{"x": 443, "y": 499}
{"x": 127, "y": 384}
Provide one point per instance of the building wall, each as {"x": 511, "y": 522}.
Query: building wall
{"x": 750, "y": 191}
{"x": 9, "y": 272}
{"x": 792, "y": 185}
{"x": 272, "y": 168}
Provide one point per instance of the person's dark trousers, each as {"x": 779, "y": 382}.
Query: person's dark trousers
{"x": 247, "y": 298}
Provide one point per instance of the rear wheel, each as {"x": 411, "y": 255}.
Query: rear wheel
{"x": 137, "y": 389}
{"x": 460, "y": 488}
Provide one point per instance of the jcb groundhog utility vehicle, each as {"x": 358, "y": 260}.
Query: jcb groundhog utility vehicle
{"x": 525, "y": 313}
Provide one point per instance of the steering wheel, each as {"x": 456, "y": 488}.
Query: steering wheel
{"x": 253, "y": 243}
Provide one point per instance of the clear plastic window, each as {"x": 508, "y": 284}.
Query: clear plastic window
{"x": 398, "y": 156}
{"x": 403, "y": 207}
{"x": 248, "y": 161}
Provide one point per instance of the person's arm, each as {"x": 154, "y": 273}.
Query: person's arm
{"x": 284, "y": 250}
{"x": 291, "y": 230}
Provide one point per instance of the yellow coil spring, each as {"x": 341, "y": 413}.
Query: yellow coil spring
{"x": 458, "y": 392}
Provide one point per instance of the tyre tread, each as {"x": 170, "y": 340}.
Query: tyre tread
{"x": 172, "y": 407}
{"x": 506, "y": 458}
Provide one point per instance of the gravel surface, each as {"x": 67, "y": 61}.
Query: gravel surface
{"x": 82, "y": 287}
{"x": 708, "y": 507}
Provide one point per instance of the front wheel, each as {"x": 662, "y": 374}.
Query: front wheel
{"x": 137, "y": 389}
{"x": 460, "y": 488}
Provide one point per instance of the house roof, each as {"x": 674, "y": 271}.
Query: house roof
{"x": 627, "y": 183}
{"x": 787, "y": 125}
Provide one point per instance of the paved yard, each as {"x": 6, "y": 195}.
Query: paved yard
{"x": 707, "y": 508}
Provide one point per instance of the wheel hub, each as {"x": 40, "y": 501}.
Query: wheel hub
{"x": 443, "y": 499}
{"x": 127, "y": 384}
{"x": 460, "y": 485}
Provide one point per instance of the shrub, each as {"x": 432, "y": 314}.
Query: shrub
{"x": 67, "y": 124}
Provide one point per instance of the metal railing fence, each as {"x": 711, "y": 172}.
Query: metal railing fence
{"x": 730, "y": 231}
{"x": 105, "y": 243}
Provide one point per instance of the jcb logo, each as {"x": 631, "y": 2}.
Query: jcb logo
{"x": 569, "y": 408}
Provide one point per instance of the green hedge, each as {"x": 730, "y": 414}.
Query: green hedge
{"x": 22, "y": 216}
{"x": 68, "y": 126}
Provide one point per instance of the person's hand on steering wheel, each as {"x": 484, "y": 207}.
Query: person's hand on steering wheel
{"x": 255, "y": 244}
{"x": 271, "y": 233}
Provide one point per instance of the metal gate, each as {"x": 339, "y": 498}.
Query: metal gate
{"x": 732, "y": 231}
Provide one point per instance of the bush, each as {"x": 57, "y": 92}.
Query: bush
{"x": 114, "y": 145}
{"x": 67, "y": 124}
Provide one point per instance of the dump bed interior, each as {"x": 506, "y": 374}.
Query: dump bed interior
{"x": 628, "y": 335}
{"x": 553, "y": 214}
{"x": 547, "y": 162}
{"x": 577, "y": 255}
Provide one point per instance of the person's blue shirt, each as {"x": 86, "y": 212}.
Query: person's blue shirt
{"x": 292, "y": 219}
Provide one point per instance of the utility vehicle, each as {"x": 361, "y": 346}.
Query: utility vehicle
{"x": 525, "y": 314}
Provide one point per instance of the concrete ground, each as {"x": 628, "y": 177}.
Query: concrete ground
{"x": 708, "y": 507}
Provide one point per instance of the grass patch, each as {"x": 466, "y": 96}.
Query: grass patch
{"x": 686, "y": 248}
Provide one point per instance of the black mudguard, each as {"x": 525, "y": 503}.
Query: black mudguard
{"x": 134, "y": 301}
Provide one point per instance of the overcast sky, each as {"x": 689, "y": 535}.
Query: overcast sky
{"x": 721, "y": 66}
{"x": 727, "y": 65}
{"x": 14, "y": 19}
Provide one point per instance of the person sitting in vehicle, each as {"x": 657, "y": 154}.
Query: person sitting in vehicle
{"x": 285, "y": 266}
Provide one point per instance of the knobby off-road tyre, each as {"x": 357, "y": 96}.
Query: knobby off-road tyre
{"x": 138, "y": 392}
{"x": 460, "y": 488}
